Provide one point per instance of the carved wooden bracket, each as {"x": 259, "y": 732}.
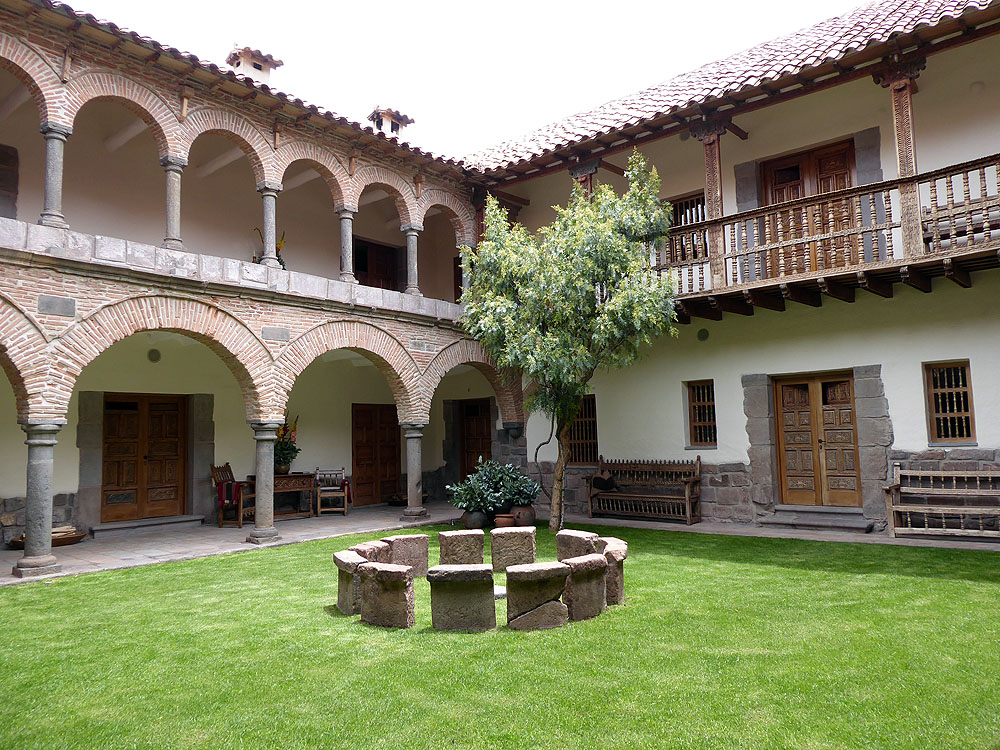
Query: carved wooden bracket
{"x": 67, "y": 62}
{"x": 186, "y": 93}
{"x": 899, "y": 74}
{"x": 708, "y": 130}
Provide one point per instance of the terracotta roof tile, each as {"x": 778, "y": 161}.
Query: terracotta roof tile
{"x": 826, "y": 41}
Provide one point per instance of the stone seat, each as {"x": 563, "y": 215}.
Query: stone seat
{"x": 615, "y": 551}
{"x": 573, "y": 543}
{"x": 585, "y": 594}
{"x": 462, "y": 597}
{"x": 533, "y": 592}
{"x": 409, "y": 549}
{"x": 462, "y": 547}
{"x": 348, "y": 581}
{"x": 512, "y": 546}
{"x": 387, "y": 598}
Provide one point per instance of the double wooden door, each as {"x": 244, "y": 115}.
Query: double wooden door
{"x": 144, "y": 452}
{"x": 817, "y": 440}
{"x": 477, "y": 435}
{"x": 375, "y": 462}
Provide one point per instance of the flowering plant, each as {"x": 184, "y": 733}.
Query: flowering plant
{"x": 285, "y": 449}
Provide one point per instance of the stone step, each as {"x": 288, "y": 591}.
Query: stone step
{"x": 115, "y": 528}
{"x": 819, "y": 517}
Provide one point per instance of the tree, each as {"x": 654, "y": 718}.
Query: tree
{"x": 579, "y": 296}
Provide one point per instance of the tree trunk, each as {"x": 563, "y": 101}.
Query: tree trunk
{"x": 556, "y": 508}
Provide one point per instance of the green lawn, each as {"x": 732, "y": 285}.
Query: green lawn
{"x": 725, "y": 642}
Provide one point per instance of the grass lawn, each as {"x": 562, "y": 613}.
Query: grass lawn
{"x": 725, "y": 642}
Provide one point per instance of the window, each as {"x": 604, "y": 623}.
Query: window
{"x": 949, "y": 402}
{"x": 583, "y": 433}
{"x": 701, "y": 414}
{"x": 820, "y": 170}
{"x": 688, "y": 209}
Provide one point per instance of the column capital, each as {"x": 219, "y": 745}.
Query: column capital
{"x": 268, "y": 187}
{"x": 411, "y": 228}
{"x": 56, "y": 130}
{"x": 413, "y": 429}
{"x": 708, "y": 130}
{"x": 173, "y": 163}
{"x": 584, "y": 168}
{"x": 899, "y": 73}
{"x": 41, "y": 434}
{"x": 266, "y": 431}
{"x": 345, "y": 210}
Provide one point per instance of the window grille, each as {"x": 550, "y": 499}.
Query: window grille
{"x": 583, "y": 433}
{"x": 701, "y": 413}
{"x": 949, "y": 402}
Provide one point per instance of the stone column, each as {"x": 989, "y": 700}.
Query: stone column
{"x": 709, "y": 132}
{"x": 901, "y": 80}
{"x": 265, "y": 433}
{"x": 173, "y": 166}
{"x": 269, "y": 195}
{"x": 347, "y": 244}
{"x": 55, "y": 145}
{"x": 411, "y": 230}
{"x": 414, "y": 472}
{"x": 38, "y": 559}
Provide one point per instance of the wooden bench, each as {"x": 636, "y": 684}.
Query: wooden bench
{"x": 661, "y": 490}
{"x": 951, "y": 503}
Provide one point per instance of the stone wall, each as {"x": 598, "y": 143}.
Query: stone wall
{"x": 12, "y": 514}
{"x": 726, "y": 493}
{"x": 941, "y": 459}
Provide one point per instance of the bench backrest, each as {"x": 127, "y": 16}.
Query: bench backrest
{"x": 222, "y": 473}
{"x": 954, "y": 483}
{"x": 650, "y": 473}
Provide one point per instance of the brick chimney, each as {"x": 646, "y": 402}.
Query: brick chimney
{"x": 389, "y": 121}
{"x": 253, "y": 63}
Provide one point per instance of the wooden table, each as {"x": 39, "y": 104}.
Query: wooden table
{"x": 298, "y": 482}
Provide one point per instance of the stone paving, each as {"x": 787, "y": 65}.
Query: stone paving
{"x": 145, "y": 547}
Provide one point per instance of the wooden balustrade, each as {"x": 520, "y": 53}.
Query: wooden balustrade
{"x": 846, "y": 230}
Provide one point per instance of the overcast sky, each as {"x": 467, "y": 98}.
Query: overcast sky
{"x": 470, "y": 73}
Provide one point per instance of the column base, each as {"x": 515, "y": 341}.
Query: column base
{"x": 263, "y": 536}
{"x": 29, "y": 567}
{"x": 53, "y": 220}
{"x": 410, "y": 514}
{"x": 414, "y": 291}
{"x": 270, "y": 262}
{"x": 349, "y": 278}
{"x": 172, "y": 243}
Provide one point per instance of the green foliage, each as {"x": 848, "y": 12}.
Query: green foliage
{"x": 492, "y": 486}
{"x": 285, "y": 452}
{"x": 579, "y": 296}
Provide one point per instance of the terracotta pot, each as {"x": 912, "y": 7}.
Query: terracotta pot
{"x": 282, "y": 468}
{"x": 474, "y": 519}
{"x": 504, "y": 519}
{"x": 524, "y": 515}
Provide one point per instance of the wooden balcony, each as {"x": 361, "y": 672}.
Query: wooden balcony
{"x": 941, "y": 223}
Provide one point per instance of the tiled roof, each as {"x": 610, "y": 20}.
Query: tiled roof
{"x": 828, "y": 41}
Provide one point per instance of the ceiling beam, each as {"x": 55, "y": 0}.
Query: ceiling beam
{"x": 801, "y": 295}
{"x": 731, "y": 305}
{"x": 13, "y": 101}
{"x": 214, "y": 165}
{"x": 875, "y": 285}
{"x": 766, "y": 300}
{"x": 916, "y": 278}
{"x": 956, "y": 273}
{"x": 700, "y": 310}
{"x": 116, "y": 140}
{"x": 836, "y": 289}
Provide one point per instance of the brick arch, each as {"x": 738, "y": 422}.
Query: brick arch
{"x": 461, "y": 216}
{"x": 23, "y": 358}
{"x": 148, "y": 105}
{"x": 506, "y": 385}
{"x": 366, "y": 339}
{"x": 234, "y": 343}
{"x": 393, "y": 183}
{"x": 37, "y": 74}
{"x": 237, "y": 129}
{"x": 325, "y": 161}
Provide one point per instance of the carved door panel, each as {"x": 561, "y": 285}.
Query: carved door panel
{"x": 389, "y": 452}
{"x": 817, "y": 441}
{"x": 375, "y": 472}
{"x": 833, "y": 172}
{"x": 476, "y": 437}
{"x": 144, "y": 454}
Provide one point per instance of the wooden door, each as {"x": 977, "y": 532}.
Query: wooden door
{"x": 817, "y": 441}
{"x": 375, "y": 461}
{"x": 144, "y": 454}
{"x": 476, "y": 438}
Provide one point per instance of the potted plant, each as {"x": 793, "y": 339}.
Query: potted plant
{"x": 285, "y": 449}
{"x": 522, "y": 492}
{"x": 475, "y": 498}
{"x": 493, "y": 490}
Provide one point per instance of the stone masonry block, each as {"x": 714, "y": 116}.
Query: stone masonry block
{"x": 548, "y": 615}
{"x": 49, "y": 304}
{"x": 615, "y": 551}
{"x": 572, "y": 543}
{"x": 13, "y": 234}
{"x": 409, "y": 549}
{"x": 462, "y": 597}
{"x": 462, "y": 547}
{"x": 348, "y": 581}
{"x": 585, "y": 595}
{"x": 531, "y": 586}
{"x": 373, "y": 551}
{"x": 387, "y": 598}
{"x": 512, "y": 546}
{"x": 868, "y": 388}
{"x": 140, "y": 255}
{"x": 40, "y": 238}
{"x": 867, "y": 371}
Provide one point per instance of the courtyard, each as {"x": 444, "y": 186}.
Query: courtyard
{"x": 723, "y": 642}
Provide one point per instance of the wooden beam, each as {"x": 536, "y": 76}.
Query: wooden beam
{"x": 681, "y": 317}
{"x": 737, "y": 130}
{"x": 875, "y": 285}
{"x": 836, "y": 290}
{"x": 731, "y": 305}
{"x": 613, "y": 168}
{"x": 915, "y": 278}
{"x": 700, "y": 310}
{"x": 766, "y": 300}
{"x": 956, "y": 273}
{"x": 800, "y": 295}
{"x": 510, "y": 197}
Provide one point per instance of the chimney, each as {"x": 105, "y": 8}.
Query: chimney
{"x": 389, "y": 121}
{"x": 253, "y": 63}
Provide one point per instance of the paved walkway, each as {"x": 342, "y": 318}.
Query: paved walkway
{"x": 146, "y": 547}
{"x": 129, "y": 549}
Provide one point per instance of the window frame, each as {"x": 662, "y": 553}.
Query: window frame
{"x": 685, "y": 198}
{"x": 570, "y": 460}
{"x": 692, "y": 423}
{"x": 929, "y": 391}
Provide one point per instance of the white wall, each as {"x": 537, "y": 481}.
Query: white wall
{"x": 641, "y": 411}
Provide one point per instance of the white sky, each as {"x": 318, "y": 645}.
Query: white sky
{"x": 470, "y": 72}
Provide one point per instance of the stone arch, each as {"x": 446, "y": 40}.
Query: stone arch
{"x": 506, "y": 385}
{"x": 148, "y": 105}
{"x": 326, "y": 163}
{"x": 396, "y": 186}
{"x": 461, "y": 216}
{"x": 237, "y": 129}
{"x": 24, "y": 359}
{"x": 235, "y": 344}
{"x": 366, "y": 339}
{"x": 37, "y": 74}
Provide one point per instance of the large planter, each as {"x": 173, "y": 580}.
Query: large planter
{"x": 474, "y": 519}
{"x": 503, "y": 508}
{"x": 503, "y": 520}
{"x": 524, "y": 515}
{"x": 282, "y": 468}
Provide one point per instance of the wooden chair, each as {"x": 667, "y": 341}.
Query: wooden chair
{"x": 231, "y": 494}
{"x": 331, "y": 485}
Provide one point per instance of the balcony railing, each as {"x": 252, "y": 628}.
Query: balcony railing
{"x": 948, "y": 211}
